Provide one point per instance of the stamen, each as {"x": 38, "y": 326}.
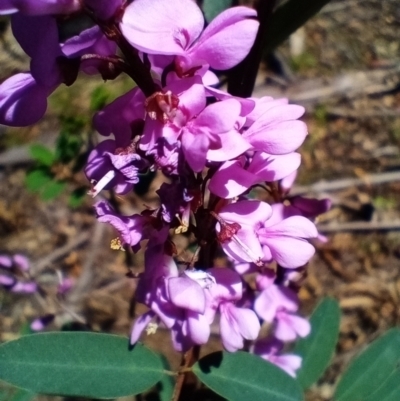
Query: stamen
{"x": 228, "y": 232}
{"x": 116, "y": 244}
{"x": 102, "y": 183}
{"x": 205, "y": 279}
{"x": 151, "y": 328}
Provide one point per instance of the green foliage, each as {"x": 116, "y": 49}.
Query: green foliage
{"x": 42, "y": 154}
{"x": 375, "y": 374}
{"x": 43, "y": 179}
{"x": 80, "y": 364}
{"x": 77, "y": 197}
{"x": 242, "y": 376}
{"x": 36, "y": 179}
{"x": 69, "y": 141}
{"x": 52, "y": 190}
{"x": 100, "y": 97}
{"x": 22, "y": 395}
{"x": 15, "y": 394}
{"x": 303, "y": 62}
{"x": 166, "y": 385}
{"x": 317, "y": 348}
{"x": 287, "y": 18}
{"x": 212, "y": 8}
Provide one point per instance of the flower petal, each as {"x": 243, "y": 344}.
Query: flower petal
{"x": 157, "y": 27}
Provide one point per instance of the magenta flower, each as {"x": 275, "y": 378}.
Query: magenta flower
{"x": 124, "y": 117}
{"x": 131, "y": 229}
{"x": 261, "y": 235}
{"x": 39, "y": 7}
{"x": 201, "y": 130}
{"x": 160, "y": 28}
{"x": 113, "y": 168}
{"x": 269, "y": 349}
{"x": 237, "y": 176}
{"x": 275, "y": 128}
{"x": 278, "y": 304}
{"x": 22, "y": 100}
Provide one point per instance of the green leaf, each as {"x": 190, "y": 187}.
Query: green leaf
{"x": 166, "y": 384}
{"x": 242, "y": 376}
{"x": 99, "y": 98}
{"x": 42, "y": 154}
{"x": 52, "y": 190}
{"x": 37, "y": 179}
{"x": 375, "y": 374}
{"x": 288, "y": 18}
{"x": 23, "y": 395}
{"x": 212, "y": 8}
{"x": 77, "y": 197}
{"x": 317, "y": 348}
{"x": 79, "y": 364}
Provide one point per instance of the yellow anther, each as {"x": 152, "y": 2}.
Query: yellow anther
{"x": 116, "y": 244}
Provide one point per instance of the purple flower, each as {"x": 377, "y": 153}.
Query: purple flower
{"x": 104, "y": 9}
{"x": 237, "y": 176}
{"x": 124, "y": 117}
{"x": 39, "y": 7}
{"x": 205, "y": 132}
{"x": 113, "y": 167}
{"x": 275, "y": 128}
{"x": 131, "y": 229}
{"x": 278, "y": 304}
{"x": 269, "y": 349}
{"x": 42, "y": 322}
{"x": 176, "y": 29}
{"x": 22, "y": 100}
{"x": 259, "y": 234}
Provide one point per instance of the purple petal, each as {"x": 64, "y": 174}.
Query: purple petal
{"x": 41, "y": 323}
{"x": 158, "y": 27}
{"x": 294, "y": 226}
{"x": 40, "y": 7}
{"x": 187, "y": 294}
{"x": 38, "y": 37}
{"x": 274, "y": 167}
{"x": 227, "y": 39}
{"x": 228, "y": 285}
{"x": 288, "y": 327}
{"x": 117, "y": 117}
{"x": 237, "y": 324}
{"x": 231, "y": 180}
{"x": 246, "y": 213}
{"x": 198, "y": 328}
{"x": 28, "y": 287}
{"x": 232, "y": 145}
{"x": 219, "y": 117}
{"x": 195, "y": 147}
{"x": 7, "y": 281}
{"x": 140, "y": 324}
{"x": 290, "y": 252}
{"x": 22, "y": 101}
{"x": 289, "y": 363}
{"x": 6, "y": 261}
{"x": 272, "y": 299}
{"x": 21, "y": 261}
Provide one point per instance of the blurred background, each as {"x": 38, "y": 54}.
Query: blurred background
{"x": 343, "y": 65}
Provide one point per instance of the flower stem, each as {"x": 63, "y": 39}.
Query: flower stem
{"x": 241, "y": 79}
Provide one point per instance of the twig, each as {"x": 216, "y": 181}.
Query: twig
{"x": 60, "y": 252}
{"x": 360, "y": 226}
{"x": 86, "y": 279}
{"x": 325, "y": 186}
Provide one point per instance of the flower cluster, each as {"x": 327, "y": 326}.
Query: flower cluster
{"x": 214, "y": 149}
{"x": 16, "y": 277}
